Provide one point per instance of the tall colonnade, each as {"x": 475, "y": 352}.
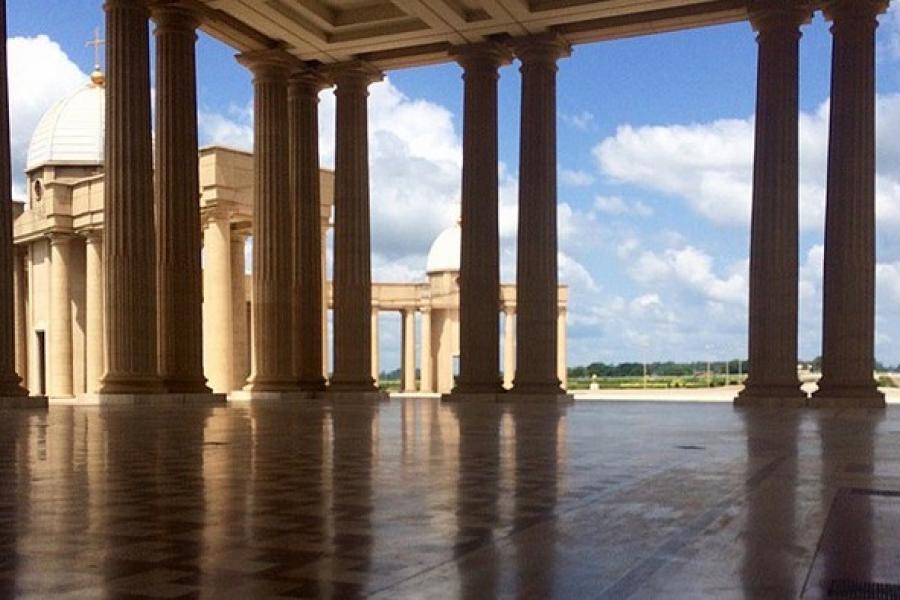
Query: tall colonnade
{"x": 848, "y": 323}
{"x": 145, "y": 268}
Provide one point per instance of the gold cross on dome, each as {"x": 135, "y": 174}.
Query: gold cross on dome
{"x": 97, "y": 43}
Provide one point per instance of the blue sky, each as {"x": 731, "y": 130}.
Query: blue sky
{"x": 655, "y": 139}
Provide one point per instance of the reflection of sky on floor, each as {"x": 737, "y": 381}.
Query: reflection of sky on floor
{"x": 417, "y": 499}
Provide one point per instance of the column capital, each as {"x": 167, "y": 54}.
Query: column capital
{"x": 509, "y": 309}
{"x": 56, "y": 238}
{"x": 482, "y": 56}
{"x": 269, "y": 64}
{"x": 92, "y": 236}
{"x": 541, "y": 48}
{"x": 138, "y": 5}
{"x": 767, "y": 15}
{"x": 354, "y": 76}
{"x": 174, "y": 16}
{"x": 854, "y": 9}
{"x": 306, "y": 80}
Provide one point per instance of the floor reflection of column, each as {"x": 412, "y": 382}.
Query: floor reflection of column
{"x": 18, "y": 495}
{"x": 847, "y": 550}
{"x": 536, "y": 490}
{"x": 769, "y": 533}
{"x": 352, "y": 509}
{"x": 477, "y": 498}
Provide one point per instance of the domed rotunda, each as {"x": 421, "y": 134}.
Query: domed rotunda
{"x": 436, "y": 302}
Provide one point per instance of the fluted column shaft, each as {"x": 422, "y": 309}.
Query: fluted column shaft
{"x": 352, "y": 261}
{"x": 848, "y": 336}
{"x": 376, "y": 348}
{"x": 479, "y": 278}
{"x": 177, "y": 202}
{"x": 408, "y": 361}
{"x": 240, "y": 339}
{"x": 273, "y": 364}
{"x": 562, "y": 335}
{"x": 536, "y": 270}
{"x": 303, "y": 126}
{"x": 426, "y": 367}
{"x": 129, "y": 241}
{"x": 20, "y": 286}
{"x": 509, "y": 347}
{"x": 774, "y": 226}
{"x": 60, "y": 349}
{"x": 9, "y": 380}
{"x": 94, "y": 318}
{"x": 218, "y": 314}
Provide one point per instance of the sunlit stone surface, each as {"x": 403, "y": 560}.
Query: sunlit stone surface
{"x": 412, "y": 499}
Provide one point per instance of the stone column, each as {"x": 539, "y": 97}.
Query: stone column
{"x": 20, "y": 287}
{"x": 273, "y": 364}
{"x": 218, "y": 314}
{"x": 178, "y": 201}
{"x": 303, "y": 126}
{"x": 479, "y": 279}
{"x": 240, "y": 344}
{"x": 426, "y": 366}
{"x": 60, "y": 384}
{"x": 10, "y": 386}
{"x": 129, "y": 240}
{"x": 352, "y": 261}
{"x": 376, "y": 350}
{"x": 536, "y": 274}
{"x": 408, "y": 366}
{"x": 774, "y": 226}
{"x": 562, "y": 335}
{"x": 94, "y": 367}
{"x": 848, "y": 335}
{"x": 326, "y": 346}
{"x": 509, "y": 346}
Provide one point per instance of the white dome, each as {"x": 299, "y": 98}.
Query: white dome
{"x": 445, "y": 251}
{"x": 71, "y": 132}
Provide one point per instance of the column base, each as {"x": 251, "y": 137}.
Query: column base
{"x": 360, "y": 397}
{"x": 187, "y": 386}
{"x": 124, "y": 385}
{"x": 864, "y": 396}
{"x": 154, "y": 400}
{"x": 270, "y": 384}
{"x": 246, "y": 395}
{"x": 312, "y": 386}
{"x": 24, "y": 402}
{"x": 772, "y": 396}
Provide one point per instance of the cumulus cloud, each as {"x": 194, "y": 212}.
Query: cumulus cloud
{"x": 617, "y": 206}
{"x": 40, "y": 72}
{"x": 709, "y": 166}
{"x": 575, "y": 178}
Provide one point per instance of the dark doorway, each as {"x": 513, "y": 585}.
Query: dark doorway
{"x": 42, "y": 362}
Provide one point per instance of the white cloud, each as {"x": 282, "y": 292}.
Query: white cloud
{"x": 40, "y": 73}
{"x": 710, "y": 165}
{"x": 617, "y": 206}
{"x": 575, "y": 178}
{"x": 583, "y": 120}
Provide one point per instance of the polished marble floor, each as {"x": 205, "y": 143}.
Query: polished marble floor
{"x": 414, "y": 499}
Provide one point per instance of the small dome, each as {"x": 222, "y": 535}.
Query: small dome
{"x": 71, "y": 132}
{"x": 445, "y": 251}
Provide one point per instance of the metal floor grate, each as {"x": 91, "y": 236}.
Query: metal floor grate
{"x": 847, "y": 589}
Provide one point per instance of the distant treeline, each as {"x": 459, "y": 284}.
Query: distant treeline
{"x": 678, "y": 369}
{"x": 662, "y": 369}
